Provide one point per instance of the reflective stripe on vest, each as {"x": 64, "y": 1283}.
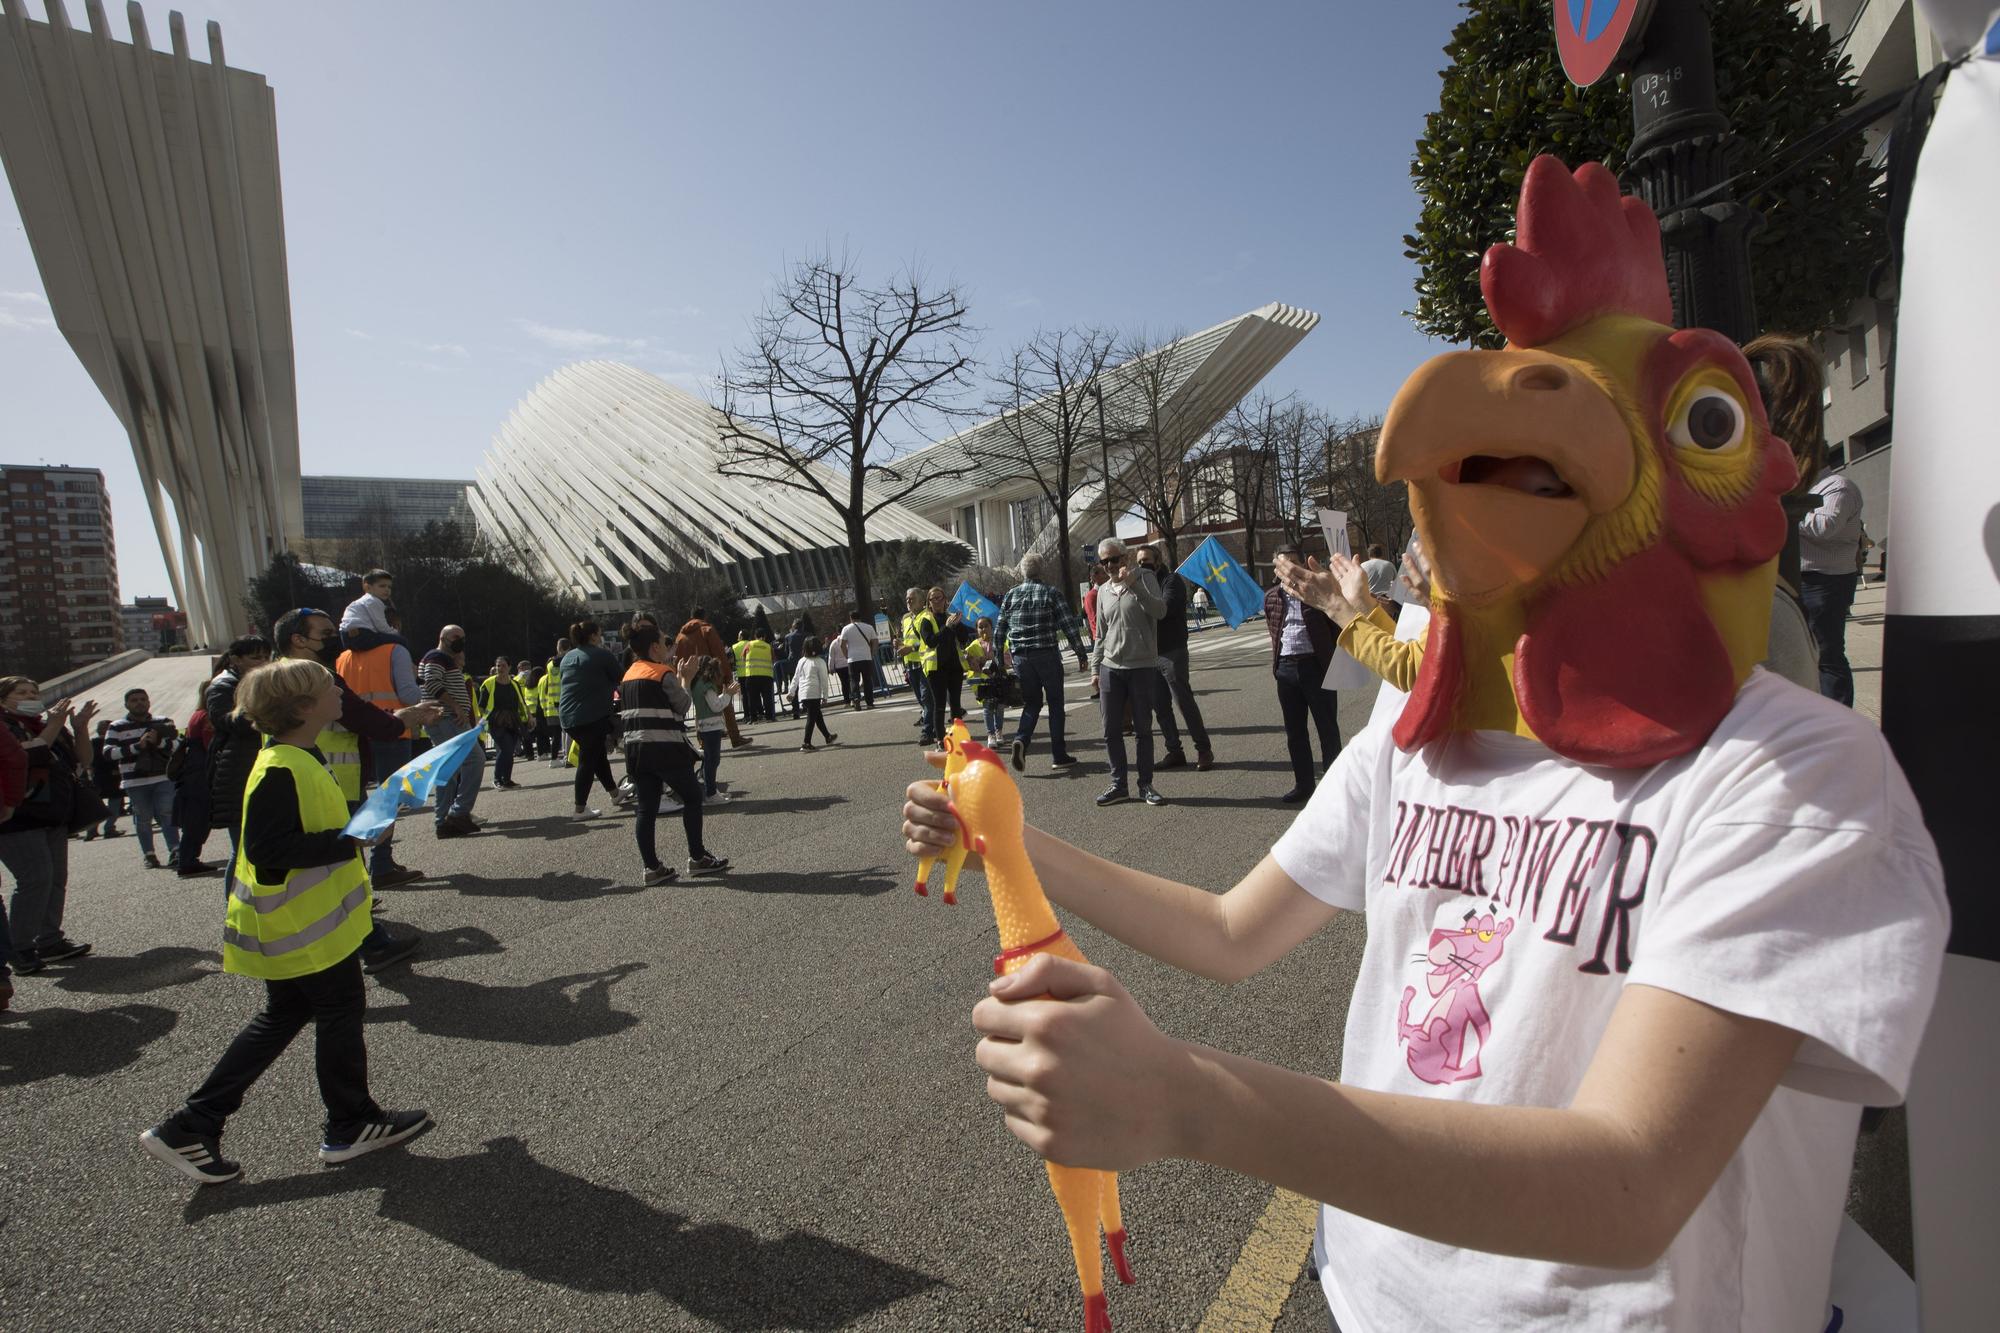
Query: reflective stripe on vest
{"x": 754, "y": 660}
{"x": 319, "y": 915}
{"x": 913, "y": 647}
{"x": 927, "y": 653}
{"x": 342, "y": 749}
{"x": 371, "y": 676}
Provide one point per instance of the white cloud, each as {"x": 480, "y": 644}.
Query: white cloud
{"x": 682, "y": 312}
{"x": 361, "y": 334}
{"x": 446, "y": 349}
{"x": 589, "y": 342}
{"x": 25, "y": 311}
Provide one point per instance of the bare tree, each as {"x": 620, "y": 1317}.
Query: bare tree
{"x": 1297, "y": 481}
{"x": 1158, "y": 424}
{"x": 1379, "y": 511}
{"x": 1049, "y": 422}
{"x": 837, "y": 382}
{"x": 1247, "y": 454}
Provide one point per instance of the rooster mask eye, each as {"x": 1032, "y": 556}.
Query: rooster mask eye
{"x": 1711, "y": 419}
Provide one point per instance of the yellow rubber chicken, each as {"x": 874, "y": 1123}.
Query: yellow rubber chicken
{"x": 987, "y": 805}
{"x": 956, "y": 738}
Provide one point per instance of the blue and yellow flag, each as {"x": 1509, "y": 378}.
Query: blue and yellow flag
{"x": 971, "y": 605}
{"x": 1234, "y": 593}
{"x": 410, "y": 786}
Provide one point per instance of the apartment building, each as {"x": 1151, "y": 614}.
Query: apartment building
{"x": 58, "y": 570}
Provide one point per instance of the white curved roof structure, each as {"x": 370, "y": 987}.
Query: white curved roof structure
{"x": 604, "y": 478}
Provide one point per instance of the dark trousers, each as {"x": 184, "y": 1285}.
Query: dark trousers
{"x": 711, "y": 759}
{"x": 1299, "y": 694}
{"x": 506, "y": 741}
{"x": 1827, "y": 599}
{"x": 765, "y": 691}
{"x": 333, "y": 1001}
{"x": 945, "y": 688}
{"x": 863, "y": 674}
{"x": 1119, "y": 691}
{"x": 1040, "y": 671}
{"x": 191, "y": 813}
{"x": 921, "y": 690}
{"x": 682, "y": 781}
{"x": 815, "y": 717}
{"x": 846, "y": 677}
{"x": 593, "y": 760}
{"x": 1177, "y": 691}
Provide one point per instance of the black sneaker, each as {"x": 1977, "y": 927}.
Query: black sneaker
{"x": 395, "y": 951}
{"x": 199, "y": 870}
{"x": 1063, "y": 761}
{"x": 1113, "y": 795}
{"x": 62, "y": 950}
{"x": 395, "y": 875}
{"x": 28, "y": 962}
{"x": 1017, "y": 755}
{"x": 1295, "y": 795}
{"x": 196, "y": 1156}
{"x": 394, "y": 1128}
{"x": 1172, "y": 759}
{"x": 661, "y": 875}
{"x": 1149, "y": 796}
{"x": 699, "y": 864}
{"x": 153, "y": 862}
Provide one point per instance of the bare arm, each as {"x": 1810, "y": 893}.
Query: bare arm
{"x": 1608, "y": 1181}
{"x": 1225, "y": 937}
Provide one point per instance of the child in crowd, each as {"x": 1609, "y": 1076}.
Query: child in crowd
{"x": 710, "y": 703}
{"x": 364, "y": 625}
{"x": 809, "y": 687}
{"x": 986, "y": 664}
{"x": 298, "y": 911}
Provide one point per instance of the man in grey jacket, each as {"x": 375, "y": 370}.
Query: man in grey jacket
{"x": 1127, "y": 662}
{"x": 1829, "y": 569}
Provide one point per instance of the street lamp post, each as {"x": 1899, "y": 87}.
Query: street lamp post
{"x": 1680, "y": 149}
{"x": 1104, "y": 454}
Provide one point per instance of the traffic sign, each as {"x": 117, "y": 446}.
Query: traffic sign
{"x": 1594, "y": 37}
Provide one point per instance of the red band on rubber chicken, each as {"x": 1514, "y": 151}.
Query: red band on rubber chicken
{"x": 1599, "y": 499}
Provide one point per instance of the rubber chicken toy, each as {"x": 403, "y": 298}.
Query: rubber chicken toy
{"x": 956, "y": 738}
{"x": 987, "y": 805}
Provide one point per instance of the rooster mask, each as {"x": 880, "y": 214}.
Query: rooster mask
{"x": 1599, "y": 499}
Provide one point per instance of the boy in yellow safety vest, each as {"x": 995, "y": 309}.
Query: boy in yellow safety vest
{"x": 298, "y": 910}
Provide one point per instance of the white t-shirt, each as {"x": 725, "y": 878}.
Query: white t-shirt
{"x": 1782, "y": 871}
{"x": 859, "y": 641}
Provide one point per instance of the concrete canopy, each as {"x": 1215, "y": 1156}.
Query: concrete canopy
{"x": 604, "y": 478}
{"x": 148, "y": 187}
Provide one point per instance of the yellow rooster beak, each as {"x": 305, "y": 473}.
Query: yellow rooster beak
{"x": 1508, "y": 455}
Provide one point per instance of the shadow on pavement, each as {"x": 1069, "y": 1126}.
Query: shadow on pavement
{"x": 813, "y": 884}
{"x": 505, "y": 1208}
{"x": 80, "y": 1043}
{"x": 1231, "y": 802}
{"x": 548, "y": 828}
{"x": 799, "y": 803}
{"x": 457, "y": 942}
{"x": 542, "y": 1013}
{"x": 153, "y": 969}
{"x": 550, "y": 888}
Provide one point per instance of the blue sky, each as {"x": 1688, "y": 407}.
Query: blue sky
{"x": 476, "y": 193}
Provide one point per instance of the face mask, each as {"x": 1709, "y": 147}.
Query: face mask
{"x": 31, "y": 706}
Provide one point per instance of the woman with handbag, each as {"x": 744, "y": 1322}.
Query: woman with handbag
{"x": 34, "y": 843}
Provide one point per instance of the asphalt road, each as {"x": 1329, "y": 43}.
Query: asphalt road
{"x": 742, "y": 1103}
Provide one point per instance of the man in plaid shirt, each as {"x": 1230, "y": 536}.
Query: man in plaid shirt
{"x": 1031, "y": 615}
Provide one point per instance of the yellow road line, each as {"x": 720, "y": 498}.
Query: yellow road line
{"x": 1255, "y": 1291}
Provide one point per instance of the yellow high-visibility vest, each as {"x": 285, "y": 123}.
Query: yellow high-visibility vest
{"x": 913, "y": 646}
{"x": 319, "y": 915}
{"x": 342, "y": 749}
{"x": 753, "y": 659}
{"x": 927, "y": 655}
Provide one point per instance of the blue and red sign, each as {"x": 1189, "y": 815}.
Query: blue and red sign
{"x": 1594, "y": 36}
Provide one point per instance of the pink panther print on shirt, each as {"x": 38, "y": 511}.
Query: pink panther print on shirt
{"x": 1445, "y": 1044}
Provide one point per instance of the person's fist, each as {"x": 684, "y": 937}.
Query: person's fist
{"x": 929, "y": 827}
{"x": 1081, "y": 1073}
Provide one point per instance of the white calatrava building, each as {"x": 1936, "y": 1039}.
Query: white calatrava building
{"x": 984, "y": 493}
{"x": 605, "y": 478}
{"x": 148, "y": 187}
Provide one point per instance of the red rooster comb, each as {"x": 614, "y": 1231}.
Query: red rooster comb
{"x": 1581, "y": 250}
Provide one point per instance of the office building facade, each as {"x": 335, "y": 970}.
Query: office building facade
{"x": 348, "y": 509}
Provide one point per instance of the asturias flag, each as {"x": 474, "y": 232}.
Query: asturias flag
{"x": 410, "y": 786}
{"x": 1235, "y": 594}
{"x": 970, "y": 605}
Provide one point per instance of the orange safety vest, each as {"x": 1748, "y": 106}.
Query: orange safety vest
{"x": 370, "y": 676}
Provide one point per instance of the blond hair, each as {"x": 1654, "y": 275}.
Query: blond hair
{"x": 275, "y": 698}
